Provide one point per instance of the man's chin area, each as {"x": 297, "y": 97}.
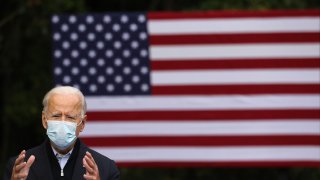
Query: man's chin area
{"x": 62, "y": 151}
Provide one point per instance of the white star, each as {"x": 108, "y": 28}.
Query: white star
{"x": 66, "y": 62}
{"x": 64, "y": 27}
{"x": 89, "y": 19}
{"x": 56, "y": 36}
{"x": 135, "y": 79}
{"x": 91, "y": 36}
{"x": 144, "y": 87}
{"x": 66, "y": 79}
{"x": 144, "y": 70}
{"x": 109, "y": 70}
{"x": 55, "y": 19}
{"x": 75, "y": 70}
{"x": 126, "y": 53}
{"x": 110, "y": 87}
{"x": 143, "y": 35}
{"x": 124, "y": 18}
{"x": 125, "y": 36}
{"x": 101, "y": 79}
{"x": 57, "y": 53}
{"x": 135, "y": 61}
{"x": 117, "y": 44}
{"x": 83, "y": 79}
{"x": 133, "y": 27}
{"x": 134, "y": 44}
{"x": 74, "y": 53}
{"x": 118, "y": 79}
{"x": 109, "y": 53}
{"x": 57, "y": 71}
{"x": 74, "y": 36}
{"x": 100, "y": 62}
{"x": 108, "y": 36}
{"x": 72, "y": 19}
{"x": 116, "y": 27}
{"x": 92, "y": 53}
{"x": 141, "y": 18}
{"x": 99, "y": 27}
{"x": 118, "y": 62}
{"x": 83, "y": 45}
{"x": 93, "y": 88}
{"x": 100, "y": 45}
{"x": 65, "y": 44}
{"x": 92, "y": 71}
{"x": 107, "y": 19}
{"x": 127, "y": 87}
{"x": 143, "y": 53}
{"x": 126, "y": 70}
{"x": 83, "y": 62}
{"x": 82, "y": 27}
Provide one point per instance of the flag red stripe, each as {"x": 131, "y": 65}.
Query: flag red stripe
{"x": 222, "y": 164}
{"x": 231, "y": 14}
{"x": 233, "y": 38}
{"x": 234, "y": 64}
{"x": 201, "y": 141}
{"x": 205, "y": 115}
{"x": 237, "y": 89}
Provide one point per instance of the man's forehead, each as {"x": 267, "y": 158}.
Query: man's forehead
{"x": 66, "y": 100}
{"x": 64, "y": 97}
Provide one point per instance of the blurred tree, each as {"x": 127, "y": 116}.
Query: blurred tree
{"x": 258, "y": 4}
{"x": 25, "y": 68}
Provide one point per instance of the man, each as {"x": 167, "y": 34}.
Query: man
{"x": 62, "y": 155}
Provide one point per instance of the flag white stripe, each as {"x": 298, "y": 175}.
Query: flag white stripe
{"x": 147, "y": 103}
{"x": 200, "y": 128}
{"x": 238, "y": 25}
{"x": 212, "y": 154}
{"x": 235, "y": 51}
{"x": 233, "y": 59}
{"x": 261, "y": 76}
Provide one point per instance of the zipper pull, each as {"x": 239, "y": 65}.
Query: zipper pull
{"x": 62, "y": 172}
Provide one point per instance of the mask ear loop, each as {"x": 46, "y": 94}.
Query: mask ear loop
{"x": 80, "y": 122}
{"x": 46, "y": 117}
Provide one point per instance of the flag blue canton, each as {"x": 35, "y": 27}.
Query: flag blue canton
{"x": 102, "y": 54}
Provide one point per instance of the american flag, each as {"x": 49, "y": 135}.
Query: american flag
{"x": 225, "y": 88}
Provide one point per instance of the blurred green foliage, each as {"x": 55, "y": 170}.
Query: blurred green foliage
{"x": 258, "y": 4}
{"x": 25, "y": 69}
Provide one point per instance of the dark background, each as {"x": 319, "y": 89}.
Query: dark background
{"x": 26, "y": 75}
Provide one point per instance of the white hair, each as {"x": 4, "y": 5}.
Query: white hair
{"x": 65, "y": 90}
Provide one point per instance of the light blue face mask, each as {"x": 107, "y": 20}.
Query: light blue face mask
{"x": 61, "y": 133}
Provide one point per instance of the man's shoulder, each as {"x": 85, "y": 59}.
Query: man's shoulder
{"x": 107, "y": 167}
{"x": 32, "y": 151}
{"x": 36, "y": 150}
{"x": 97, "y": 156}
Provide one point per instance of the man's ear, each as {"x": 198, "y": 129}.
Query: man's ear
{"x": 44, "y": 121}
{"x": 83, "y": 124}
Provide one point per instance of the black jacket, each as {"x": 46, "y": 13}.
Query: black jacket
{"x": 41, "y": 168}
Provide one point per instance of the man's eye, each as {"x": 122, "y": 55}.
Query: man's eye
{"x": 56, "y": 116}
{"x": 71, "y": 117}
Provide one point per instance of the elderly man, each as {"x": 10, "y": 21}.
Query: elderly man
{"x": 62, "y": 155}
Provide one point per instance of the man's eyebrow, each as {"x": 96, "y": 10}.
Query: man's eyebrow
{"x": 67, "y": 114}
{"x": 55, "y": 112}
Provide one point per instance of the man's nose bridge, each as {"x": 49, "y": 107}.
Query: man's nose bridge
{"x": 63, "y": 117}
